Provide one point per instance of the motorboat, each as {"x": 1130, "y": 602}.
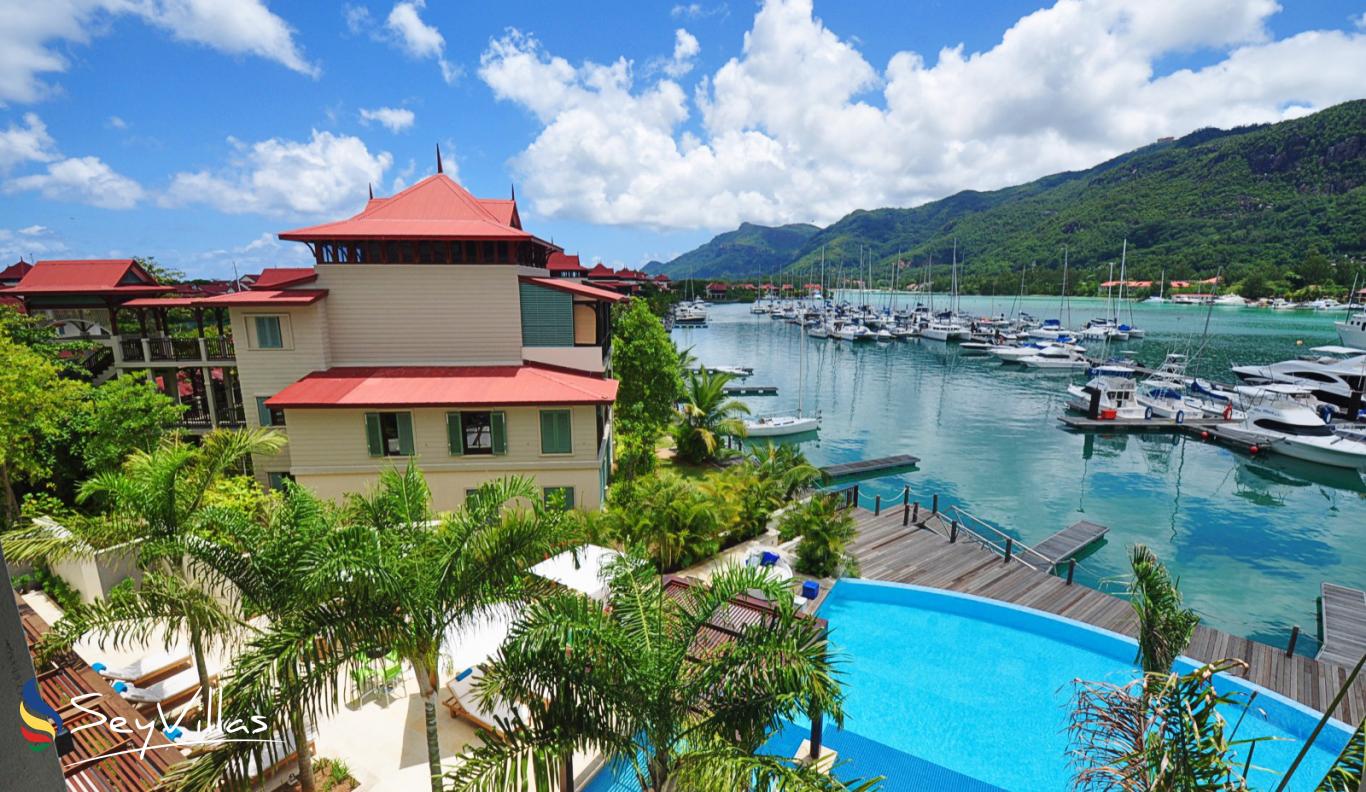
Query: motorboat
{"x": 1335, "y": 375}
{"x": 779, "y": 425}
{"x": 944, "y": 331}
{"x": 1163, "y": 393}
{"x": 885, "y": 335}
{"x": 1057, "y": 358}
{"x": 1049, "y": 330}
{"x": 1116, "y": 390}
{"x": 1327, "y": 304}
{"x": 1352, "y": 331}
{"x": 739, "y": 372}
{"x": 975, "y": 348}
{"x": 1230, "y": 299}
{"x": 1283, "y": 414}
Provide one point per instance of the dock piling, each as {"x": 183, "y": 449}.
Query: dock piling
{"x": 915, "y": 512}
{"x": 953, "y": 532}
{"x": 1294, "y": 639}
{"x": 935, "y": 508}
{"x": 877, "y": 505}
{"x": 1071, "y": 569}
{"x": 1010, "y": 549}
{"x": 906, "y": 495}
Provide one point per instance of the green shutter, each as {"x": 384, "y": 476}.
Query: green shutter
{"x": 455, "y": 434}
{"x": 547, "y": 317}
{"x": 373, "y": 441}
{"x": 555, "y": 436}
{"x": 499, "y": 427}
{"x": 262, "y": 412}
{"x": 405, "y": 433}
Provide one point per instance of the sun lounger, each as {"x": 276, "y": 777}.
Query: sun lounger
{"x": 466, "y": 704}
{"x": 169, "y": 693}
{"x": 146, "y": 670}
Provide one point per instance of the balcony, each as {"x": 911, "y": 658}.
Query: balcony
{"x": 136, "y": 351}
{"x": 230, "y": 417}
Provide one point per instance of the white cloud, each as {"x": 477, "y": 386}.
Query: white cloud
{"x": 29, "y": 142}
{"x": 686, "y": 48}
{"x": 358, "y": 19}
{"x": 1361, "y": 21}
{"x": 395, "y": 119}
{"x": 34, "y": 230}
{"x": 417, "y": 38}
{"x": 801, "y": 127}
{"x": 698, "y": 11}
{"x": 31, "y": 243}
{"x": 327, "y": 174}
{"x": 116, "y": 122}
{"x": 34, "y": 35}
{"x": 86, "y": 180}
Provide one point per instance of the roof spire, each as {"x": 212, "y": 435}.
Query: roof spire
{"x": 514, "y": 193}
{"x": 438, "y": 159}
{"x": 371, "y": 187}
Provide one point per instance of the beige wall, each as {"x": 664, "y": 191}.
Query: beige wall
{"x": 415, "y": 314}
{"x": 579, "y": 358}
{"x": 330, "y": 454}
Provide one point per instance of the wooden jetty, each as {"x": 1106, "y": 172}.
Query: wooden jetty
{"x": 912, "y": 545}
{"x": 1342, "y": 611}
{"x": 751, "y": 390}
{"x": 864, "y": 467}
{"x": 1069, "y": 542}
{"x": 1138, "y": 424}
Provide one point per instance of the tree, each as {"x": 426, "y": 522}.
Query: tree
{"x": 159, "y": 273}
{"x": 157, "y": 502}
{"x": 1254, "y": 287}
{"x": 1164, "y": 627}
{"x": 666, "y": 518}
{"x": 705, "y": 415}
{"x": 645, "y": 362}
{"x": 626, "y": 680}
{"x": 825, "y": 531}
{"x": 785, "y": 464}
{"x": 125, "y": 414}
{"x": 34, "y": 400}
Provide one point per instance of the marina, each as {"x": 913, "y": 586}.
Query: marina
{"x": 986, "y": 437}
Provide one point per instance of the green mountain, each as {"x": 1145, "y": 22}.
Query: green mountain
{"x": 747, "y": 252}
{"x": 1282, "y": 203}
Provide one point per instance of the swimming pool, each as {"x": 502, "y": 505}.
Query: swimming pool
{"x": 983, "y": 688}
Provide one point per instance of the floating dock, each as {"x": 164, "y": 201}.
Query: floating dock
{"x": 864, "y": 467}
{"x": 1343, "y": 612}
{"x": 1138, "y": 424}
{"x": 751, "y": 390}
{"x": 1070, "y": 541}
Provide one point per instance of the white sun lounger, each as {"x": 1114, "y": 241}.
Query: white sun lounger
{"x": 169, "y": 689}
{"x": 146, "y": 668}
{"x": 465, "y": 703}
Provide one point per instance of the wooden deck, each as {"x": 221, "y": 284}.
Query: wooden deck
{"x": 865, "y": 466}
{"x": 1344, "y": 624}
{"x": 1083, "y": 423}
{"x": 1070, "y": 541}
{"x": 922, "y": 555}
{"x": 751, "y": 390}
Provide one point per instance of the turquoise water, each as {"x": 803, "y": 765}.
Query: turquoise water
{"x": 984, "y": 690}
{"x": 1250, "y": 538}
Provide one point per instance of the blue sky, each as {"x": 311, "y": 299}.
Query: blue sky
{"x": 158, "y": 128}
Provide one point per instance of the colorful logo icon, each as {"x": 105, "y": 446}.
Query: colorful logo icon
{"x": 40, "y": 722}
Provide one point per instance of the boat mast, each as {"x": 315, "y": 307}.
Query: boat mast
{"x": 1062, "y": 300}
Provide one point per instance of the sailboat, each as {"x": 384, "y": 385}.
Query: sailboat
{"x": 782, "y": 425}
{"x": 1160, "y": 297}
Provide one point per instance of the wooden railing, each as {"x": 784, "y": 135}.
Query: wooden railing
{"x": 164, "y": 349}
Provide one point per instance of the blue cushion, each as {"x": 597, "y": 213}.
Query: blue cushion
{"x": 173, "y": 734}
{"x": 811, "y": 589}
{"x": 119, "y": 687}
{"x": 768, "y": 559}
{"x": 98, "y": 666}
{"x": 460, "y": 676}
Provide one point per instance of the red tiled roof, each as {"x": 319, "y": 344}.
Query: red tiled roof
{"x": 662, "y": 278}
{"x": 717, "y": 285}
{"x": 163, "y": 302}
{"x": 15, "y": 271}
{"x": 601, "y": 270}
{"x": 88, "y": 276}
{"x": 444, "y": 386}
{"x": 434, "y": 208}
{"x": 564, "y": 262}
{"x": 574, "y": 287}
{"x": 266, "y": 297}
{"x": 504, "y": 210}
{"x": 280, "y": 277}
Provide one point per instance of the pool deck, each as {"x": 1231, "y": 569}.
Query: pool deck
{"x": 920, "y": 553}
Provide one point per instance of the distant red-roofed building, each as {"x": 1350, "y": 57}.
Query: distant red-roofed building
{"x": 716, "y": 289}
{"x": 15, "y": 272}
{"x": 786, "y": 287}
{"x": 661, "y": 282}
{"x": 564, "y": 265}
{"x": 601, "y": 270}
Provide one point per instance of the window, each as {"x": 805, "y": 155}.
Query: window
{"x": 277, "y": 480}
{"x": 389, "y": 434}
{"x": 268, "y": 333}
{"x": 555, "y": 434}
{"x": 1313, "y": 375}
{"x": 1321, "y": 430}
{"x": 476, "y": 433}
{"x": 560, "y": 496}
{"x": 269, "y": 416}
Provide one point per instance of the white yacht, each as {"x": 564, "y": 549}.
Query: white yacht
{"x": 1164, "y": 393}
{"x": 1352, "y": 332}
{"x": 1230, "y": 299}
{"x": 1057, "y": 357}
{"x": 944, "y": 331}
{"x": 1336, "y": 375}
{"x": 851, "y": 331}
{"x": 1284, "y": 415}
{"x": 779, "y": 425}
{"x": 1049, "y": 330}
{"x": 1115, "y": 384}
{"x": 819, "y": 330}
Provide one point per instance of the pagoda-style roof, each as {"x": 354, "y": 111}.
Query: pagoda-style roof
{"x": 280, "y": 277}
{"x": 10, "y": 275}
{"x": 434, "y": 208}
{"x": 564, "y": 262}
{"x": 601, "y": 270}
{"x": 87, "y": 277}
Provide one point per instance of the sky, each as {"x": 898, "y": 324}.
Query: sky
{"x": 196, "y": 130}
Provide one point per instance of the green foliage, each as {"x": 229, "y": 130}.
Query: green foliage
{"x": 645, "y": 362}
{"x": 628, "y": 682}
{"x": 240, "y": 494}
{"x": 825, "y": 531}
{"x": 159, "y": 273}
{"x": 332, "y": 773}
{"x": 665, "y": 517}
{"x": 123, "y": 415}
{"x": 636, "y": 455}
{"x": 786, "y": 464}
{"x": 1164, "y": 626}
{"x": 35, "y": 398}
{"x": 44, "y": 504}
{"x": 1247, "y": 199}
{"x": 705, "y": 416}
{"x": 745, "y": 498}
{"x": 56, "y": 587}
{"x": 1346, "y": 773}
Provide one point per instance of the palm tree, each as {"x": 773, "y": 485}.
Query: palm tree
{"x": 1164, "y": 627}
{"x": 706, "y": 415}
{"x": 157, "y": 501}
{"x": 629, "y": 680}
{"x": 403, "y": 579}
{"x": 786, "y": 464}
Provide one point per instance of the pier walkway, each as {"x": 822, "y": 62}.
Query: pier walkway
{"x": 1070, "y": 541}
{"x": 920, "y": 552}
{"x": 1343, "y": 611}
{"x": 864, "y": 467}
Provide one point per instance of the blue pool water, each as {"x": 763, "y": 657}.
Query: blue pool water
{"x": 983, "y": 689}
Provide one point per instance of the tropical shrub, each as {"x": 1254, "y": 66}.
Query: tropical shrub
{"x": 706, "y": 415}
{"x": 745, "y": 499}
{"x": 667, "y": 518}
{"x": 645, "y": 362}
{"x": 786, "y": 464}
{"x": 1165, "y": 628}
{"x": 635, "y": 455}
{"x": 825, "y": 532}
